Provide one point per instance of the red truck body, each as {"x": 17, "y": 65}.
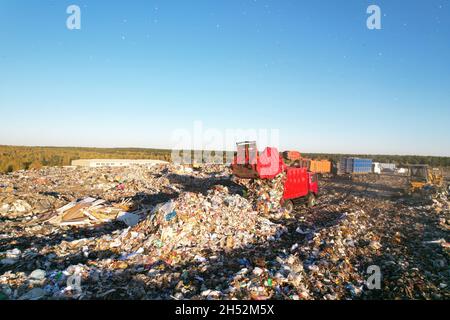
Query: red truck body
{"x": 299, "y": 183}
{"x": 248, "y": 164}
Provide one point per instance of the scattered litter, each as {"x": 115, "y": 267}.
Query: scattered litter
{"x": 130, "y": 219}
{"x": 176, "y": 232}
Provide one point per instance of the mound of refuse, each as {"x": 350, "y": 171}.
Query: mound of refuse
{"x": 265, "y": 194}
{"x": 174, "y": 232}
{"x": 181, "y": 229}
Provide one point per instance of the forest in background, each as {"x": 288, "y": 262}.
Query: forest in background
{"x": 13, "y": 158}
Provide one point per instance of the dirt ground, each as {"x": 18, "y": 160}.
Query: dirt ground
{"x": 324, "y": 252}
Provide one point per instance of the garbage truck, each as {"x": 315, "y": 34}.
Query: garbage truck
{"x": 300, "y": 185}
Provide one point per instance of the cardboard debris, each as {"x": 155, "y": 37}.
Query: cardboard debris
{"x": 85, "y": 211}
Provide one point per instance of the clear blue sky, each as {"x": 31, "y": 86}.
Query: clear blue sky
{"x": 138, "y": 70}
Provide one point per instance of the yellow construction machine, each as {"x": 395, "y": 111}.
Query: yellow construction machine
{"x": 422, "y": 176}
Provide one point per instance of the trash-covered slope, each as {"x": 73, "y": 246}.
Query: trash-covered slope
{"x": 177, "y": 233}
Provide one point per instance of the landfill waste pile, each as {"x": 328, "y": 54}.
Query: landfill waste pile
{"x": 179, "y": 231}
{"x": 265, "y": 194}
{"x": 175, "y": 232}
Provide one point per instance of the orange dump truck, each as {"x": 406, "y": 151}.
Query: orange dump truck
{"x": 320, "y": 166}
{"x": 292, "y": 155}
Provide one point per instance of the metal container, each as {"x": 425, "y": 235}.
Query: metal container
{"x": 320, "y": 166}
{"x": 362, "y": 166}
{"x": 356, "y": 165}
{"x": 349, "y": 165}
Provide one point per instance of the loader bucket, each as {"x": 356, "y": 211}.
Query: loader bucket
{"x": 245, "y": 162}
{"x": 245, "y": 171}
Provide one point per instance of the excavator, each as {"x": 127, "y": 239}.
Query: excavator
{"x": 422, "y": 176}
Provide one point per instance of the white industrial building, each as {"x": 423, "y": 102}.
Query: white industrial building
{"x": 95, "y": 163}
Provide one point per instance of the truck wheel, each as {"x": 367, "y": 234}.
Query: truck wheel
{"x": 311, "y": 200}
{"x": 288, "y": 205}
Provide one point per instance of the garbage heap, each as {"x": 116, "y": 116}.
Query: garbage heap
{"x": 180, "y": 230}
{"x": 333, "y": 257}
{"x": 265, "y": 194}
{"x": 440, "y": 201}
{"x": 210, "y": 241}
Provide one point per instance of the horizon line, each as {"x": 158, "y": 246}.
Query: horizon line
{"x": 165, "y": 149}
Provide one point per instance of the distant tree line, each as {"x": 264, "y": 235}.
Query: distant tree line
{"x": 13, "y": 158}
